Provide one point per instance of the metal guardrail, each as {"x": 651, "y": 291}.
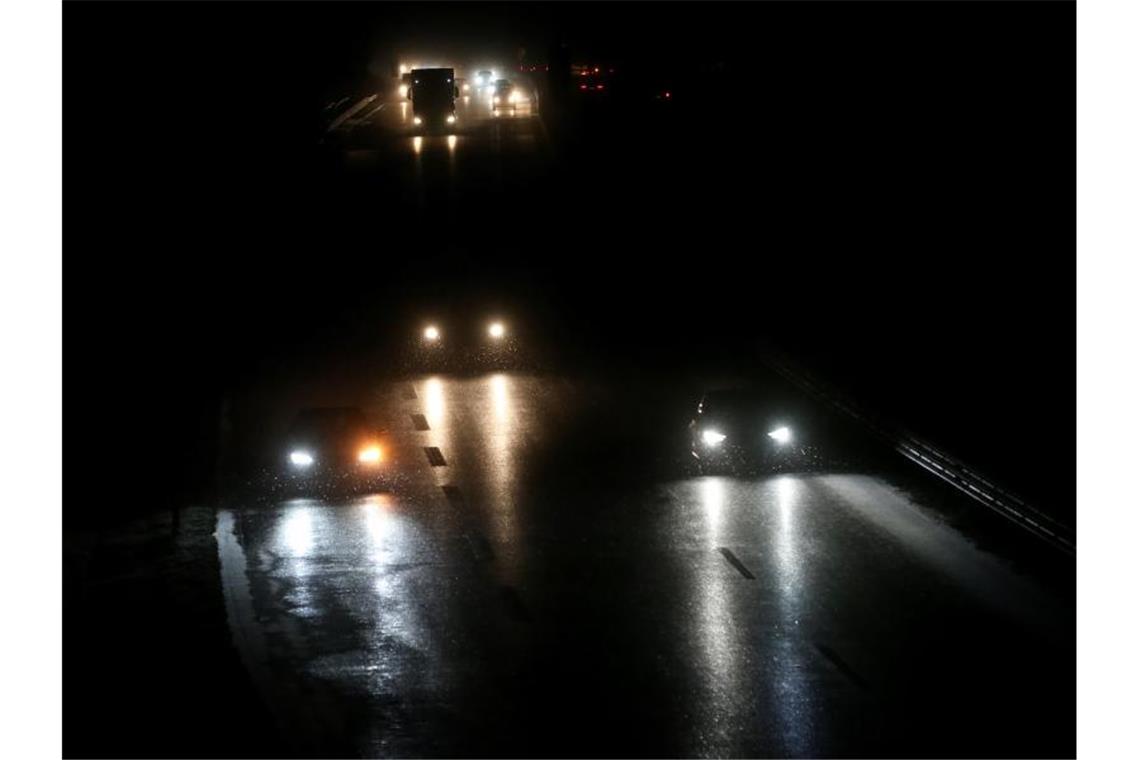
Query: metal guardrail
{"x": 351, "y": 112}
{"x": 966, "y": 479}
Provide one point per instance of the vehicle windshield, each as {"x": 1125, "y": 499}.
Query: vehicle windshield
{"x": 329, "y": 422}
{"x": 735, "y": 403}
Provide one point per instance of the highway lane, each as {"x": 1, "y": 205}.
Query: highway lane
{"x": 485, "y": 148}
{"x": 552, "y": 579}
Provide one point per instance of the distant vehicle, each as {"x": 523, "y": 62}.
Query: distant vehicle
{"x": 591, "y": 78}
{"x": 466, "y": 342}
{"x": 746, "y": 428}
{"x": 484, "y": 78}
{"x": 592, "y": 83}
{"x": 433, "y": 93}
{"x": 336, "y": 441}
{"x": 508, "y": 96}
{"x": 492, "y": 333}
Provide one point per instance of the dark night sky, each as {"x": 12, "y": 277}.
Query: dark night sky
{"x": 897, "y": 205}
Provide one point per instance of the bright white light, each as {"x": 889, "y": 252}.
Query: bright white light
{"x": 431, "y": 332}
{"x": 435, "y": 402}
{"x": 403, "y": 69}
{"x": 501, "y": 397}
{"x": 451, "y": 118}
{"x": 403, "y": 91}
{"x": 301, "y": 458}
{"x": 452, "y": 141}
{"x": 781, "y": 435}
{"x": 370, "y": 455}
{"x": 517, "y": 97}
{"x": 417, "y": 144}
{"x": 466, "y": 87}
{"x": 417, "y": 120}
{"x": 712, "y": 437}
{"x": 496, "y": 330}
{"x": 296, "y": 532}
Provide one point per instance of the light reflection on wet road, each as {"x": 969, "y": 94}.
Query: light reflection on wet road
{"x": 513, "y": 613}
{"x": 480, "y": 152}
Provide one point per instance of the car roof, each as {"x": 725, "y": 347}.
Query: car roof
{"x": 734, "y": 394}
{"x": 734, "y": 399}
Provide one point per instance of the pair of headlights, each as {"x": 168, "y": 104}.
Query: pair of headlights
{"x": 369, "y": 455}
{"x": 418, "y": 120}
{"x": 713, "y": 438}
{"x": 495, "y": 331}
{"x": 515, "y": 97}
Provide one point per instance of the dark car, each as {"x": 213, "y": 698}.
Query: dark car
{"x": 466, "y": 343}
{"x": 484, "y": 78}
{"x": 594, "y": 83}
{"x": 506, "y": 96}
{"x": 738, "y": 429}
{"x": 333, "y": 441}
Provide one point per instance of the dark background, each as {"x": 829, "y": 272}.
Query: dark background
{"x": 886, "y": 191}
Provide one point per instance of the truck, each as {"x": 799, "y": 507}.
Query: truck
{"x": 433, "y": 93}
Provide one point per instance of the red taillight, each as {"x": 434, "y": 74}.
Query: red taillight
{"x": 600, "y": 87}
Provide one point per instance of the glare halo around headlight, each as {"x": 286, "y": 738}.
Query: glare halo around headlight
{"x": 370, "y": 455}
{"x": 781, "y": 435}
{"x": 712, "y": 437}
{"x": 301, "y": 458}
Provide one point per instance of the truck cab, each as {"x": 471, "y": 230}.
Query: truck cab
{"x": 433, "y": 93}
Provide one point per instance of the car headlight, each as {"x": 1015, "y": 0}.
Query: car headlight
{"x": 497, "y": 99}
{"x": 712, "y": 437}
{"x": 370, "y": 455}
{"x": 781, "y": 435}
{"x": 417, "y": 120}
{"x": 301, "y": 458}
{"x": 431, "y": 333}
{"x": 451, "y": 118}
{"x": 496, "y": 330}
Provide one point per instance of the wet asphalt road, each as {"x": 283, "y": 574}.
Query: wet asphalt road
{"x": 552, "y": 586}
{"x": 488, "y": 152}
{"x": 546, "y": 575}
